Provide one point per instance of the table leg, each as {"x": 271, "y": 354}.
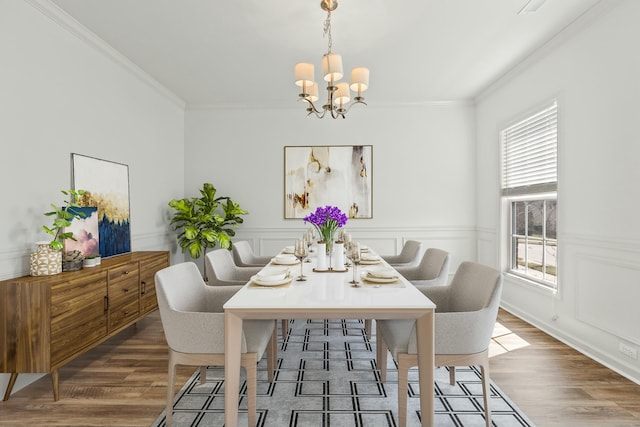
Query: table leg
{"x": 232, "y": 355}
{"x": 55, "y": 382}
{"x": 12, "y": 382}
{"x": 426, "y": 365}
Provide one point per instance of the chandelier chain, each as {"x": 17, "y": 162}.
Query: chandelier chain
{"x": 327, "y": 30}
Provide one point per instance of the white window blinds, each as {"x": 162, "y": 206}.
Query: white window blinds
{"x": 530, "y": 154}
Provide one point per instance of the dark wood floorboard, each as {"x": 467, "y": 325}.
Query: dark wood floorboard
{"x": 123, "y": 383}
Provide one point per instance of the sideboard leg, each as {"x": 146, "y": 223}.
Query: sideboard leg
{"x": 55, "y": 381}
{"x": 12, "y": 381}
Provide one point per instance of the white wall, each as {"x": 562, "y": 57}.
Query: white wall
{"x": 594, "y": 74}
{"x": 423, "y": 170}
{"x": 60, "y": 94}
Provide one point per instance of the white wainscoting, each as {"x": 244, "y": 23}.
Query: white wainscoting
{"x": 597, "y": 306}
{"x": 608, "y": 295}
{"x": 460, "y": 242}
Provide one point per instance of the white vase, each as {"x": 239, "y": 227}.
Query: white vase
{"x": 45, "y": 260}
{"x": 322, "y": 256}
{"x": 338, "y": 256}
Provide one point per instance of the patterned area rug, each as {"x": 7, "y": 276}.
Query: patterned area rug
{"x": 326, "y": 376}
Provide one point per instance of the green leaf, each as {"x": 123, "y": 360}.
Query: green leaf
{"x": 224, "y": 240}
{"x": 190, "y": 233}
{"x": 210, "y": 236}
{"x": 195, "y": 249}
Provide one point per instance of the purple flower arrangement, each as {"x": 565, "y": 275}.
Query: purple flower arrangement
{"x": 327, "y": 220}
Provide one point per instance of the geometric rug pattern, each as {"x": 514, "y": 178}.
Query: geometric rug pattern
{"x": 326, "y": 377}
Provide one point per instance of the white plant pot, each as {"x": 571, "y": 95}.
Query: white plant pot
{"x": 91, "y": 262}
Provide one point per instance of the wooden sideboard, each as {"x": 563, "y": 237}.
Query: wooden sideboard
{"x": 47, "y": 321}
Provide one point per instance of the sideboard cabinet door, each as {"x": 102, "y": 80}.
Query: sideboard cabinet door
{"x": 78, "y": 317}
{"x": 148, "y": 268}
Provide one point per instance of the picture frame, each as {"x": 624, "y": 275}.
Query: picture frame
{"x": 334, "y": 175}
{"x": 106, "y": 186}
{"x": 85, "y": 231}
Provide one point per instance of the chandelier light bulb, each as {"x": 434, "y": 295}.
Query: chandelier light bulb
{"x": 359, "y": 79}
{"x": 332, "y": 67}
{"x": 304, "y": 74}
{"x": 341, "y": 96}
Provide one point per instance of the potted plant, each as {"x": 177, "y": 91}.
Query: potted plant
{"x": 92, "y": 260}
{"x": 48, "y": 257}
{"x": 206, "y": 221}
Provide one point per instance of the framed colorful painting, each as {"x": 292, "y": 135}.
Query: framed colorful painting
{"x": 106, "y": 186}
{"x": 85, "y": 232}
{"x": 336, "y": 175}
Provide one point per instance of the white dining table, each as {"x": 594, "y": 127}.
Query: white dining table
{"x": 329, "y": 295}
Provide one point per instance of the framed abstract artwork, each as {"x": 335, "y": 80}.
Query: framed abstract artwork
{"x": 106, "y": 186}
{"x": 335, "y": 175}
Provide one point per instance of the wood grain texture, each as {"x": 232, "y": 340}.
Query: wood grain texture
{"x": 47, "y": 321}
{"x": 122, "y": 382}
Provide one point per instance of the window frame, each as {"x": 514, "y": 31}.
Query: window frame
{"x": 512, "y": 255}
{"x": 535, "y": 192}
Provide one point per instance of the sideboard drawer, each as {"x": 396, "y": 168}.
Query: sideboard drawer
{"x": 122, "y": 314}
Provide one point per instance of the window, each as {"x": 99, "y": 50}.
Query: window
{"x": 529, "y": 191}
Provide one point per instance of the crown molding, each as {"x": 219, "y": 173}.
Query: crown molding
{"x": 577, "y": 25}
{"x": 384, "y": 105}
{"x": 67, "y": 22}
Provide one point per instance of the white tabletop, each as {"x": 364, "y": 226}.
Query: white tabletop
{"x": 329, "y": 290}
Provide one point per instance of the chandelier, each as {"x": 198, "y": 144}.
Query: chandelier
{"x": 338, "y": 93}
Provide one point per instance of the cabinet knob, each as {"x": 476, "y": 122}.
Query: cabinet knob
{"x": 125, "y": 290}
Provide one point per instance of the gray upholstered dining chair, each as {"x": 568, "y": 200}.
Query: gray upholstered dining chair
{"x": 193, "y": 321}
{"x": 244, "y": 256}
{"x": 410, "y": 255}
{"x": 222, "y": 271}
{"x": 432, "y": 270}
{"x": 466, "y": 312}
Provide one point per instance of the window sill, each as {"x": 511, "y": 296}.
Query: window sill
{"x": 529, "y": 283}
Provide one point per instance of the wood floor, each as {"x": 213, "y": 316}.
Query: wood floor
{"x": 123, "y": 383}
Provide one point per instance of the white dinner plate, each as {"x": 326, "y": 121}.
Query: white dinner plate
{"x": 286, "y": 261}
{"x": 383, "y": 273}
{"x": 273, "y": 274}
{"x": 284, "y": 281}
{"x": 370, "y": 262}
{"x": 369, "y": 278}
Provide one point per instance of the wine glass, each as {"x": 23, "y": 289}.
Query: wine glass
{"x": 346, "y": 238}
{"x": 308, "y": 241}
{"x": 354, "y": 255}
{"x": 301, "y": 251}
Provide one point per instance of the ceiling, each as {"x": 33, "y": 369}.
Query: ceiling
{"x": 242, "y": 52}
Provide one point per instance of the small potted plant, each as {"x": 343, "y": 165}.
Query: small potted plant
{"x": 91, "y": 260}
{"x": 48, "y": 257}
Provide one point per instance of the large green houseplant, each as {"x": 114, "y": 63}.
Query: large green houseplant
{"x": 204, "y": 222}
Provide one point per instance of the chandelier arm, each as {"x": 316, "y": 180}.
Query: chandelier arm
{"x": 312, "y": 108}
{"x": 354, "y": 103}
